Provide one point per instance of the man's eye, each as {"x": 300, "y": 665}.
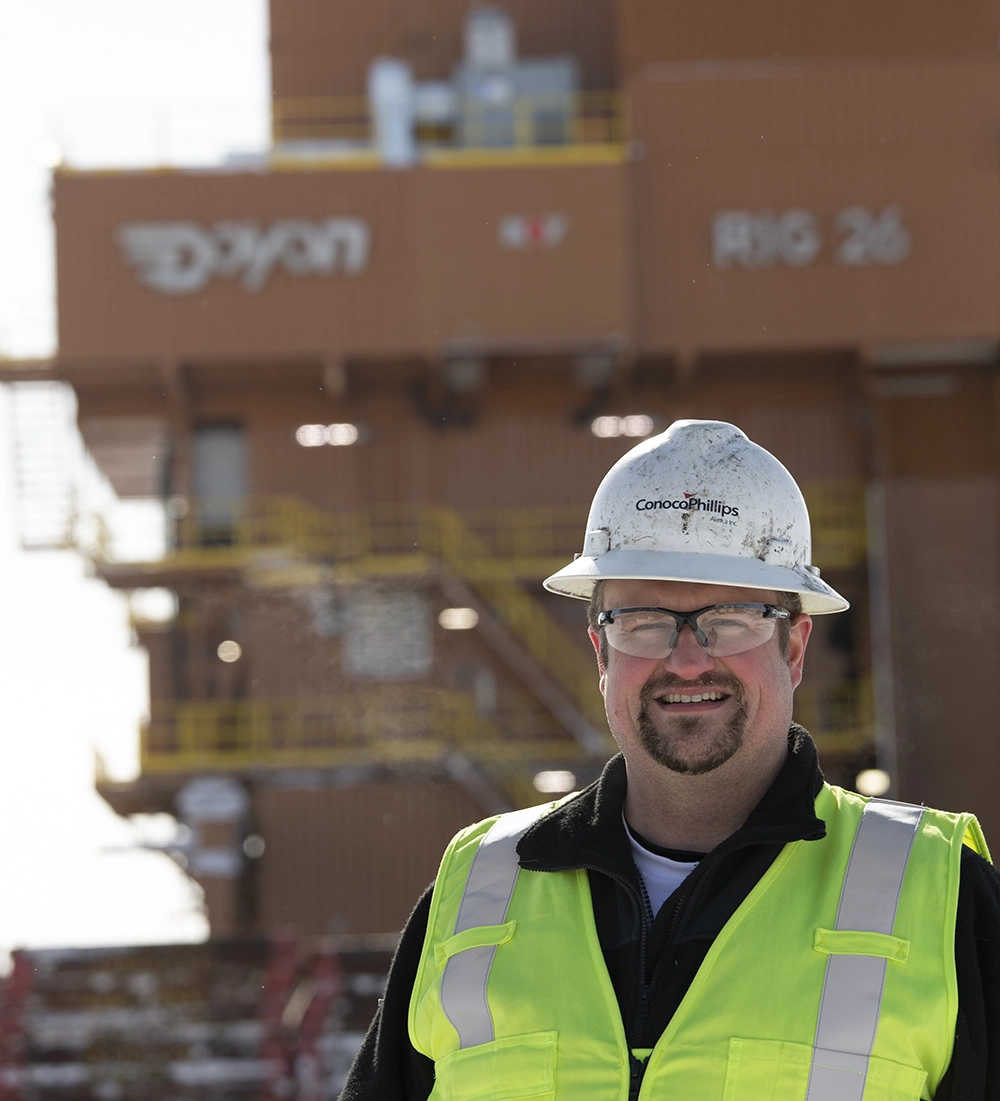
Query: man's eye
{"x": 729, "y": 627}
{"x": 644, "y": 625}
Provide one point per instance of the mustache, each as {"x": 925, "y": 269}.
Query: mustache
{"x": 662, "y": 683}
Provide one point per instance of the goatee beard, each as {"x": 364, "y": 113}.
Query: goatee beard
{"x": 667, "y": 749}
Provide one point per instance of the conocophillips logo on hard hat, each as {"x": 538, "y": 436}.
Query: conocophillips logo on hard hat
{"x": 690, "y": 503}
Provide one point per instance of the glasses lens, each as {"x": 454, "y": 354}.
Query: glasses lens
{"x": 643, "y": 634}
{"x": 727, "y": 629}
{"x": 733, "y": 630}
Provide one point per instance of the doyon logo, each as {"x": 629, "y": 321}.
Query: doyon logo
{"x": 181, "y": 257}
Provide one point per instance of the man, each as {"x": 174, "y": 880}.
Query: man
{"x": 709, "y": 920}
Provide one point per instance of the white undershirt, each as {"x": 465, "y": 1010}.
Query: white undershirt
{"x": 661, "y": 875}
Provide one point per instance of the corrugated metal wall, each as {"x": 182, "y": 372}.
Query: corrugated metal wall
{"x": 525, "y": 445}
{"x": 437, "y": 271}
{"x": 106, "y": 311}
{"x": 945, "y": 544}
{"x": 918, "y": 139}
{"x": 510, "y": 456}
{"x": 805, "y": 409}
{"x": 936, "y": 449}
{"x": 671, "y": 30}
{"x": 352, "y": 859}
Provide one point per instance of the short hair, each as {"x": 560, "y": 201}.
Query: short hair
{"x": 792, "y": 602}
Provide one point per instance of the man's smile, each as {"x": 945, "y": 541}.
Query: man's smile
{"x": 706, "y": 696}
{"x": 676, "y": 696}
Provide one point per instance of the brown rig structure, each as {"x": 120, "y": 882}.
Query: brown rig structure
{"x": 376, "y": 374}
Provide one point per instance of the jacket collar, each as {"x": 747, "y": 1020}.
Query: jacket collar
{"x": 587, "y": 830}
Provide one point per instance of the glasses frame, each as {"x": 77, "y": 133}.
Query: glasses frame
{"x": 770, "y": 611}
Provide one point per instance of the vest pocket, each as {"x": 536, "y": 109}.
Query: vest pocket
{"x": 515, "y": 1068}
{"x": 780, "y": 1070}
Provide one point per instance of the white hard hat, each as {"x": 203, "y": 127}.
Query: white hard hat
{"x": 702, "y": 503}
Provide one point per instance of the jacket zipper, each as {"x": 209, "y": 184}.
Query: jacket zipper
{"x": 637, "y": 1068}
{"x": 675, "y": 917}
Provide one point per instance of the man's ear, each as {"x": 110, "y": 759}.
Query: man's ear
{"x": 798, "y": 639}
{"x": 595, "y": 638}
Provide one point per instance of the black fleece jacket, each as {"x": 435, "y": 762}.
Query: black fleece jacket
{"x": 652, "y": 961}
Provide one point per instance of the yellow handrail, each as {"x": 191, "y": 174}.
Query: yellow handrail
{"x": 419, "y": 723}
{"x": 529, "y": 122}
{"x": 393, "y": 723}
{"x": 838, "y": 714}
{"x": 505, "y": 535}
{"x": 837, "y": 514}
{"x": 219, "y": 528}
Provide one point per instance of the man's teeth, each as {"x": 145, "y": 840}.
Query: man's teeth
{"x": 680, "y": 697}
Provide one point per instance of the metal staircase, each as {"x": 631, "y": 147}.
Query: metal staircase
{"x": 476, "y": 559}
{"x": 43, "y": 434}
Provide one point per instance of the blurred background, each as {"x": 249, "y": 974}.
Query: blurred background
{"x": 320, "y": 322}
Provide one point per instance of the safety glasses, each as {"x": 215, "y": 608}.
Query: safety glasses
{"x": 722, "y": 629}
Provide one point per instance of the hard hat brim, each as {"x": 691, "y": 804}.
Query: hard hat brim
{"x": 579, "y": 578}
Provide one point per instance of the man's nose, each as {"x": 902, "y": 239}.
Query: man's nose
{"x": 688, "y": 659}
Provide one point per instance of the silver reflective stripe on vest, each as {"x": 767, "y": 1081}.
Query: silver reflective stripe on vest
{"x": 487, "y": 895}
{"x": 852, "y": 989}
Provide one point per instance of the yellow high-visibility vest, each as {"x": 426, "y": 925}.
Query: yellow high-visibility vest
{"x": 833, "y": 981}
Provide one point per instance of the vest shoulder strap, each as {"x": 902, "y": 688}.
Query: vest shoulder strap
{"x": 488, "y": 891}
{"x": 852, "y": 988}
